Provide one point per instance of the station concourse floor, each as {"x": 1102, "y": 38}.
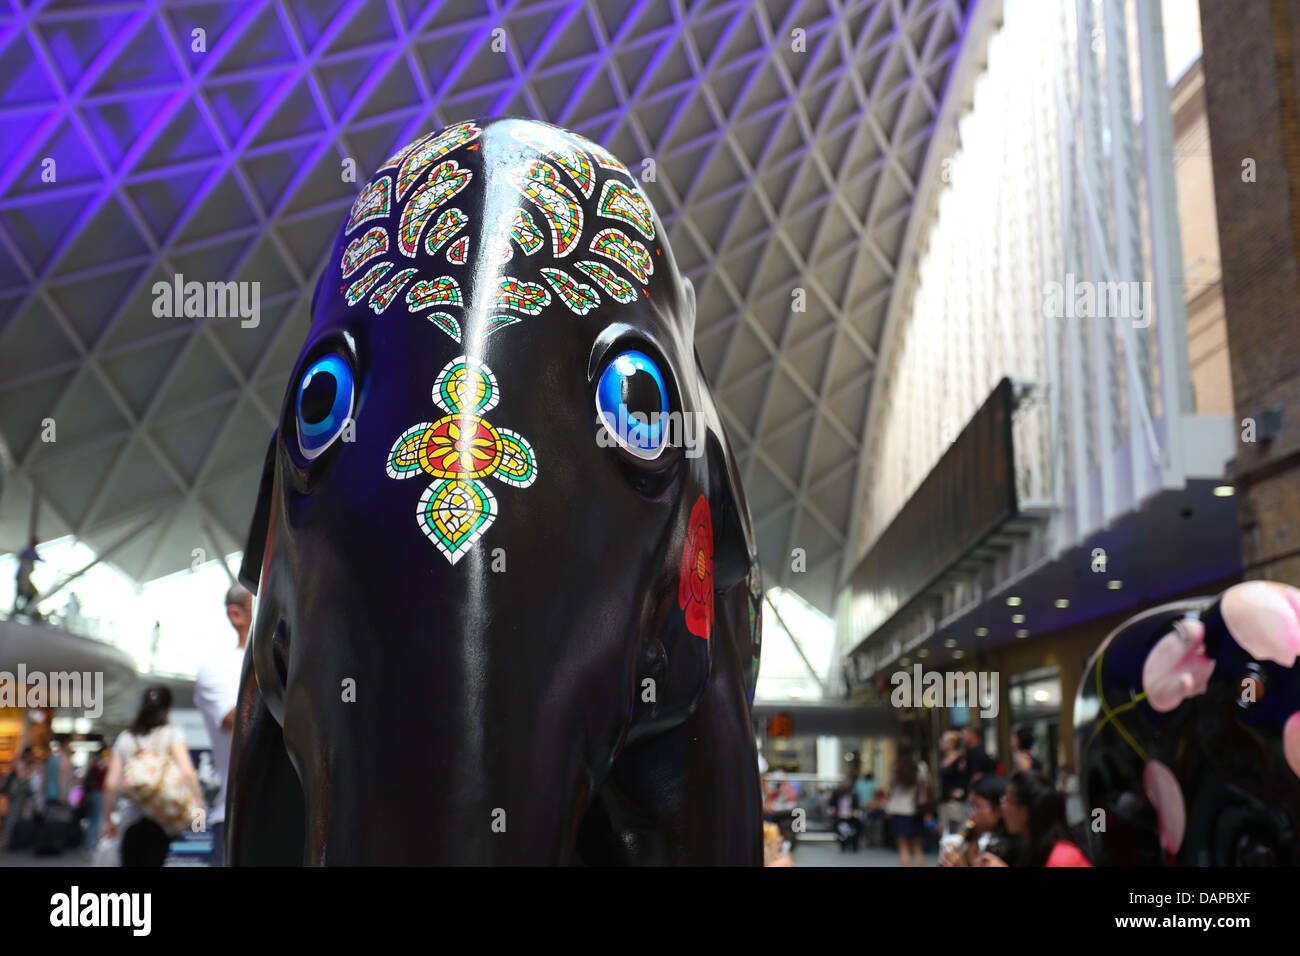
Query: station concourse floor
{"x": 828, "y": 854}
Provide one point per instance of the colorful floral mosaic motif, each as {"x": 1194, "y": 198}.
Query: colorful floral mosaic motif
{"x": 447, "y": 323}
{"x": 616, "y": 286}
{"x": 459, "y": 450}
{"x": 374, "y": 202}
{"x": 361, "y": 288}
{"x": 580, "y": 298}
{"x": 518, "y": 464}
{"x": 526, "y": 297}
{"x": 458, "y": 251}
{"x": 454, "y": 513}
{"x": 384, "y": 295}
{"x": 626, "y": 251}
{"x": 374, "y": 242}
{"x": 450, "y": 222}
{"x": 459, "y": 447}
{"x": 498, "y": 322}
{"x": 695, "y": 587}
{"x": 445, "y": 181}
{"x": 433, "y": 148}
{"x": 561, "y": 151}
{"x": 524, "y": 232}
{"x": 426, "y": 293}
{"x": 618, "y": 201}
{"x": 541, "y": 184}
{"x": 466, "y": 385}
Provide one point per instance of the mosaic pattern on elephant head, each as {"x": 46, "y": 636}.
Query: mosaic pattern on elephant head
{"x": 459, "y": 451}
{"x": 618, "y": 201}
{"x": 444, "y": 182}
{"x": 540, "y": 183}
{"x": 433, "y": 148}
{"x": 561, "y": 150}
{"x": 558, "y": 188}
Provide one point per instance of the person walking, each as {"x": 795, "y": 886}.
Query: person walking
{"x": 954, "y": 779}
{"x": 25, "y": 592}
{"x": 908, "y": 783}
{"x": 144, "y": 841}
{"x": 93, "y": 800}
{"x": 216, "y": 692}
{"x": 17, "y": 787}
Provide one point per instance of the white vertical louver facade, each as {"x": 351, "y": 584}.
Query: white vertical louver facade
{"x": 1054, "y": 198}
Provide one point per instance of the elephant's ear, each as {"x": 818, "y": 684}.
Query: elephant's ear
{"x": 733, "y": 534}
{"x": 250, "y": 570}
{"x": 737, "y": 585}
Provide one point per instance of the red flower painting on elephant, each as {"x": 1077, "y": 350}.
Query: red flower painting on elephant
{"x": 695, "y": 590}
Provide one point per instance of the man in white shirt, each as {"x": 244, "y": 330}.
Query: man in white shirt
{"x": 216, "y": 692}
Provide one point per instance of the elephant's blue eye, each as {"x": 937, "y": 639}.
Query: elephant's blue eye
{"x": 324, "y": 403}
{"x": 632, "y": 402}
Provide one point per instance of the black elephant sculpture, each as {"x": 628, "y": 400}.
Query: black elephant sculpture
{"x": 506, "y": 583}
{"x": 1187, "y": 726}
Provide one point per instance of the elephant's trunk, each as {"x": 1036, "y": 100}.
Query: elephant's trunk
{"x": 453, "y": 745}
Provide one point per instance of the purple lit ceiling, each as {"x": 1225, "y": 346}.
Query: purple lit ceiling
{"x": 775, "y": 169}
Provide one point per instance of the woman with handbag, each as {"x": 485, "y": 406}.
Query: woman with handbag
{"x": 909, "y": 787}
{"x": 152, "y": 774}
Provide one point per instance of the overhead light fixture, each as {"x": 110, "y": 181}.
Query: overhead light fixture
{"x": 1062, "y": 603}
{"x": 1013, "y": 602}
{"x": 923, "y": 653}
{"x": 1040, "y": 695}
{"x": 1224, "y": 491}
{"x": 981, "y": 632}
{"x": 796, "y": 692}
{"x": 1022, "y": 633}
{"x": 950, "y": 643}
{"x": 1017, "y": 619}
{"x": 1114, "y": 585}
{"x": 958, "y": 655}
{"x": 904, "y": 661}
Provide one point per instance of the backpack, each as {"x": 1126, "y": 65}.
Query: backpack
{"x": 154, "y": 783}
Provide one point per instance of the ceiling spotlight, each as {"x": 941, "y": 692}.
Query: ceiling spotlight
{"x": 958, "y": 655}
{"x": 1224, "y": 491}
{"x": 950, "y": 643}
{"x": 1062, "y": 603}
{"x": 1040, "y": 695}
{"x": 923, "y": 653}
{"x": 1017, "y": 619}
{"x": 1114, "y": 585}
{"x": 1013, "y": 602}
{"x": 1022, "y": 633}
{"x": 904, "y": 661}
{"x": 981, "y": 632}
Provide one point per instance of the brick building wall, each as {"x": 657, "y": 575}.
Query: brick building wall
{"x": 1251, "y": 60}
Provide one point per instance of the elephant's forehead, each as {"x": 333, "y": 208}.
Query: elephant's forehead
{"x": 477, "y": 228}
